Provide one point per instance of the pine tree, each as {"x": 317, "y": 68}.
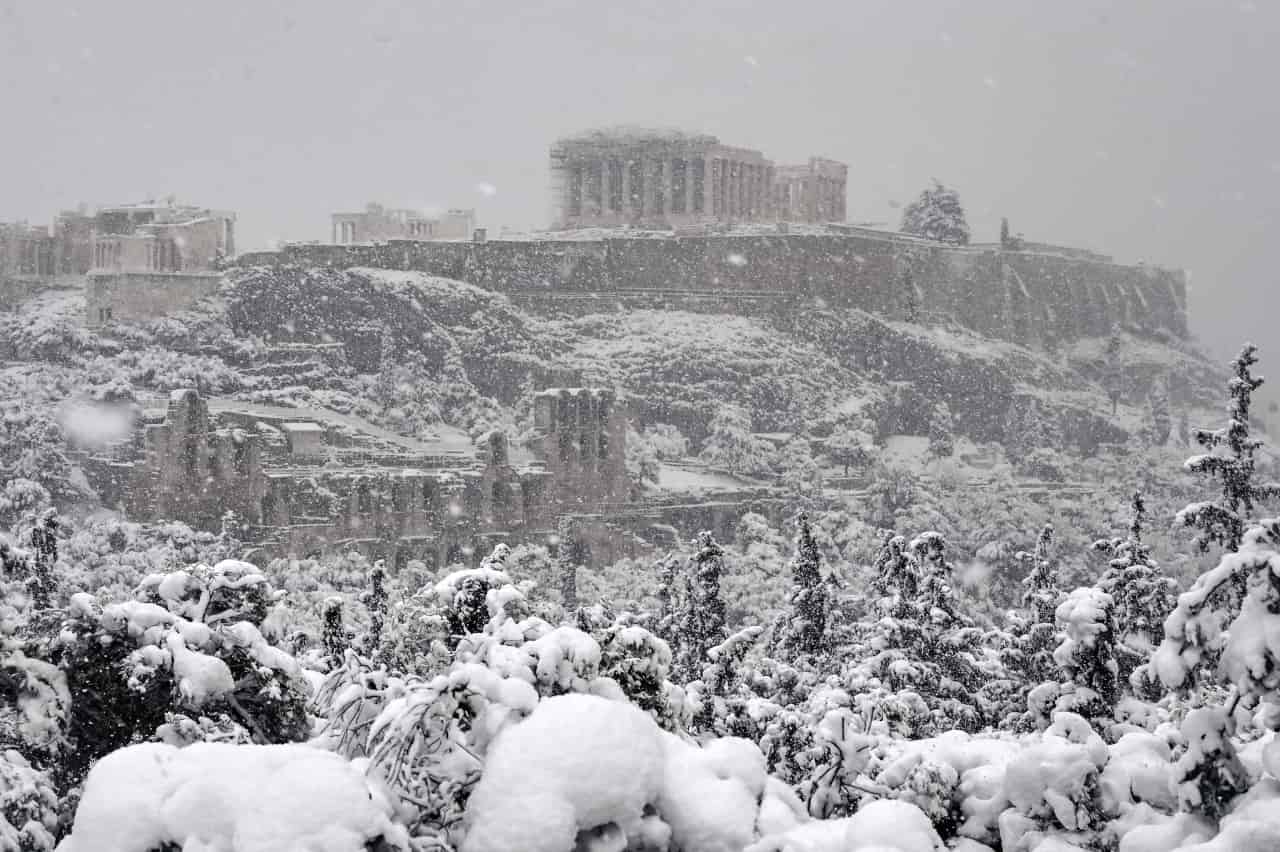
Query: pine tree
{"x": 1042, "y": 594}
{"x": 334, "y": 637}
{"x": 1223, "y": 521}
{"x": 1143, "y": 596}
{"x": 1004, "y": 232}
{"x": 896, "y": 570}
{"x": 375, "y": 601}
{"x": 937, "y": 215}
{"x": 941, "y": 440}
{"x": 805, "y": 631}
{"x": 1184, "y": 429}
{"x": 567, "y": 566}
{"x": 668, "y": 604}
{"x": 44, "y": 541}
{"x": 702, "y": 622}
{"x": 1087, "y": 652}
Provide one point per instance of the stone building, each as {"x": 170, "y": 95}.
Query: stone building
{"x": 26, "y": 251}
{"x": 670, "y": 179}
{"x": 379, "y": 224}
{"x": 814, "y": 192}
{"x": 312, "y": 482}
{"x": 655, "y": 178}
{"x": 151, "y": 259}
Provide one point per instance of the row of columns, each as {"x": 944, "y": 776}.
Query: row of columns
{"x": 657, "y": 187}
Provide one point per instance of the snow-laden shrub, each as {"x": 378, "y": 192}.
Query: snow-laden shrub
{"x": 248, "y": 798}
{"x": 189, "y": 641}
{"x": 28, "y": 806}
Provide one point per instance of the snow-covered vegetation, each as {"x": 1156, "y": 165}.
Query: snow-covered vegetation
{"x": 958, "y": 632}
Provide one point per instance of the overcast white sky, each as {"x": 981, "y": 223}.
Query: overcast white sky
{"x": 1149, "y": 129}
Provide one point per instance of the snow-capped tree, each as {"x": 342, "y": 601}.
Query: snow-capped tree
{"x": 702, "y": 620}
{"x": 1087, "y": 652}
{"x": 941, "y": 439}
{"x": 799, "y": 472}
{"x": 1037, "y": 636}
{"x": 336, "y": 638}
{"x": 848, "y": 446}
{"x": 1229, "y": 458}
{"x": 731, "y": 445}
{"x": 191, "y": 640}
{"x": 375, "y": 603}
{"x": 803, "y": 627}
{"x": 1143, "y": 596}
{"x": 937, "y": 215}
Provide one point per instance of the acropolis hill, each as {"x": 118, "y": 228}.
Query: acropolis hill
{"x": 1033, "y": 297}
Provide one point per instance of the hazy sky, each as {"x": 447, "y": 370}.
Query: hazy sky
{"x": 1148, "y": 129}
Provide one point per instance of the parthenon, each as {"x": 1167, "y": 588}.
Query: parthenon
{"x": 661, "y": 179}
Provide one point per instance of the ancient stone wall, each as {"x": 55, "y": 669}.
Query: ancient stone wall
{"x": 136, "y": 296}
{"x": 1031, "y": 298}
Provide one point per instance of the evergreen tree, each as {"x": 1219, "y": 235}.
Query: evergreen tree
{"x": 941, "y": 440}
{"x": 937, "y": 215}
{"x": 44, "y": 542}
{"x": 375, "y": 601}
{"x": 1042, "y": 594}
{"x": 896, "y": 570}
{"x": 1184, "y": 429}
{"x": 1161, "y": 422}
{"x": 1087, "y": 653}
{"x": 334, "y": 637}
{"x": 1004, "y": 232}
{"x": 805, "y": 628}
{"x": 567, "y": 565}
{"x": 702, "y": 623}
{"x": 1229, "y": 458}
{"x": 1143, "y": 596}
{"x": 668, "y": 603}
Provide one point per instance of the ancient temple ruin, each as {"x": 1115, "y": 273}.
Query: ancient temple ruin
{"x": 307, "y": 482}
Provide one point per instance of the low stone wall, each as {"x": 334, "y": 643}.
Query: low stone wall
{"x": 1024, "y": 297}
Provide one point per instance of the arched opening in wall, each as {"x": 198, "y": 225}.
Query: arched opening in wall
{"x": 428, "y": 496}
{"x": 268, "y": 508}
{"x": 364, "y": 498}
{"x": 455, "y": 556}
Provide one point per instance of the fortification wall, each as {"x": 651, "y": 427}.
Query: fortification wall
{"x": 1032, "y": 298}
